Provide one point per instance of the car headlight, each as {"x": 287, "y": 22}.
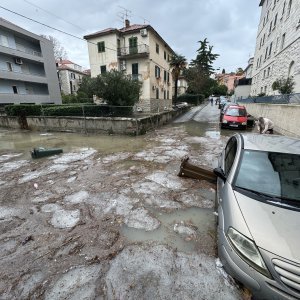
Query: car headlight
{"x": 244, "y": 123}
{"x": 225, "y": 121}
{"x": 247, "y": 250}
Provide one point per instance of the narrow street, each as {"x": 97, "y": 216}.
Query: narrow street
{"x": 110, "y": 218}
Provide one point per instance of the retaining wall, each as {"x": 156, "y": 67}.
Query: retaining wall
{"x": 286, "y": 117}
{"x": 127, "y": 126}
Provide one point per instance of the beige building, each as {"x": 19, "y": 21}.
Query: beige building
{"x": 70, "y": 76}
{"x": 277, "y": 45}
{"x": 141, "y": 53}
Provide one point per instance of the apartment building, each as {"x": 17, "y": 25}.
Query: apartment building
{"x": 142, "y": 54}
{"x": 70, "y": 76}
{"x": 277, "y": 51}
{"x": 27, "y": 67}
{"x": 228, "y": 80}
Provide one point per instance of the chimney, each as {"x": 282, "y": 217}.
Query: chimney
{"x": 127, "y": 23}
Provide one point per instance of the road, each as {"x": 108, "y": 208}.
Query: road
{"x": 110, "y": 218}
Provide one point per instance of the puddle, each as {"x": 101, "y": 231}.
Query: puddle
{"x": 24, "y": 141}
{"x": 201, "y": 219}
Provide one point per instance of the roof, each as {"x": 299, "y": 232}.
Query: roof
{"x": 65, "y": 67}
{"x": 126, "y": 30}
{"x": 65, "y": 62}
{"x": 271, "y": 143}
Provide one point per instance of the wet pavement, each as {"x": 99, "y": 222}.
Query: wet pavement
{"x": 109, "y": 218}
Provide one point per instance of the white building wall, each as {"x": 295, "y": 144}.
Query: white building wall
{"x": 285, "y": 40}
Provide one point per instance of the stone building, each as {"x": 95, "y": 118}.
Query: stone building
{"x": 27, "y": 67}
{"x": 70, "y": 76}
{"x": 142, "y": 54}
{"x": 277, "y": 52}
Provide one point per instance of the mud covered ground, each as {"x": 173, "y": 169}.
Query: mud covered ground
{"x": 88, "y": 225}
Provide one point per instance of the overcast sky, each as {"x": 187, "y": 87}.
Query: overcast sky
{"x": 229, "y": 25}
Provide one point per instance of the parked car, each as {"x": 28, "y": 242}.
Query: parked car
{"x": 258, "y": 200}
{"x": 234, "y": 116}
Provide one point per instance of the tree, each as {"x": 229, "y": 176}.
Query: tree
{"x": 59, "y": 50}
{"x": 284, "y": 85}
{"x": 239, "y": 71}
{"x": 223, "y": 71}
{"x": 204, "y": 58}
{"x": 198, "y": 75}
{"x": 177, "y": 64}
{"x": 118, "y": 89}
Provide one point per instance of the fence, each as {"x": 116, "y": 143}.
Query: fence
{"x": 275, "y": 99}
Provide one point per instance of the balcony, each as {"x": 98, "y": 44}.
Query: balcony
{"x": 23, "y": 76}
{"x": 137, "y": 77}
{"x": 133, "y": 52}
{"x": 22, "y": 52}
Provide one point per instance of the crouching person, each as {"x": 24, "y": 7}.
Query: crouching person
{"x": 265, "y": 125}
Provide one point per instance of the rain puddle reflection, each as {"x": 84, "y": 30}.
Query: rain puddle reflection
{"x": 198, "y": 224}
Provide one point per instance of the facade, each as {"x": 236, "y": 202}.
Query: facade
{"x": 228, "y": 80}
{"x": 27, "y": 67}
{"x": 70, "y": 76}
{"x": 141, "y": 53}
{"x": 243, "y": 86}
{"x": 277, "y": 45}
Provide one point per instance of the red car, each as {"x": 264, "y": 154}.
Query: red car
{"x": 235, "y": 116}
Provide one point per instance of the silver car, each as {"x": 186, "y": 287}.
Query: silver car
{"x": 258, "y": 198}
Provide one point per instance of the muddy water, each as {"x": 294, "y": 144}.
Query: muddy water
{"x": 22, "y": 141}
{"x": 186, "y": 241}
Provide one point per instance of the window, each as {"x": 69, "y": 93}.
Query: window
{"x": 165, "y": 55}
{"x": 275, "y": 21}
{"x": 15, "y": 89}
{"x": 283, "y": 9}
{"x": 168, "y": 77}
{"x": 291, "y": 69}
{"x": 101, "y": 47}
{"x": 165, "y": 94}
{"x": 266, "y": 53}
{"x": 270, "y": 49}
{"x": 282, "y": 41}
{"x": 268, "y": 73}
{"x": 157, "y": 93}
{"x": 289, "y": 8}
{"x": 157, "y": 72}
{"x": 265, "y": 89}
{"x": 230, "y": 152}
{"x": 165, "y": 75}
{"x": 264, "y": 74}
{"x": 72, "y": 76}
{"x": 103, "y": 69}
{"x": 168, "y": 94}
{"x": 270, "y": 29}
{"x": 135, "y": 71}
{"x": 157, "y": 48}
{"x": 133, "y": 48}
{"x": 9, "y": 66}
{"x": 4, "y": 40}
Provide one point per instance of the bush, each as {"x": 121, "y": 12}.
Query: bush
{"x": 191, "y": 98}
{"x": 23, "y": 110}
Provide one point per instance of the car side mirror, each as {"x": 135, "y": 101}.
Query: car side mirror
{"x": 220, "y": 173}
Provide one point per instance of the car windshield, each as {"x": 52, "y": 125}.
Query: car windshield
{"x": 273, "y": 174}
{"x": 236, "y": 112}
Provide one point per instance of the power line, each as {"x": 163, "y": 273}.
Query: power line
{"x": 50, "y": 13}
{"x": 61, "y": 31}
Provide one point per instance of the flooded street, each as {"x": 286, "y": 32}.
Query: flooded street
{"x": 109, "y": 218}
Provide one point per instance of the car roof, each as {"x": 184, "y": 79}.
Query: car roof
{"x": 236, "y": 106}
{"x": 270, "y": 143}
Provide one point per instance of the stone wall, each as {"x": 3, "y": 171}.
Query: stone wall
{"x": 284, "y": 116}
{"x": 127, "y": 126}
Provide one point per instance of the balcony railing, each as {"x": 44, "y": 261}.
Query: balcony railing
{"x": 138, "y": 77}
{"x": 136, "y": 50}
{"x": 28, "y": 50}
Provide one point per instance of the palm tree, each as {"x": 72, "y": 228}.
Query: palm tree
{"x": 177, "y": 64}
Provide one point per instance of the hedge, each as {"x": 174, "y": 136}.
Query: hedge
{"x": 88, "y": 110}
{"x": 191, "y": 98}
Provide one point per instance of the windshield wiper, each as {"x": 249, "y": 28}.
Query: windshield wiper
{"x": 283, "y": 201}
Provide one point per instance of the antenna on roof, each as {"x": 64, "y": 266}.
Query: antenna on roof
{"x": 125, "y": 14}
{"x": 145, "y": 20}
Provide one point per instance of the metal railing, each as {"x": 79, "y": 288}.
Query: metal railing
{"x": 139, "y": 49}
{"x": 276, "y": 99}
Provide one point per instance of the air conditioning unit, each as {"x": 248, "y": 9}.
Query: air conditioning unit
{"x": 18, "y": 61}
{"x": 144, "y": 32}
